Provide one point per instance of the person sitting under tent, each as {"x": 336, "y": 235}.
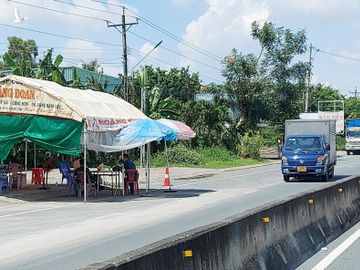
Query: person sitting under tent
{"x": 129, "y": 164}
{"x": 77, "y": 178}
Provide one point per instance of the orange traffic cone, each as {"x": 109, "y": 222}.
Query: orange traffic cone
{"x": 167, "y": 181}
{"x": 167, "y": 178}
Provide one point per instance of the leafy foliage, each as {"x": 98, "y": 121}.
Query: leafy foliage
{"x": 352, "y": 107}
{"x": 49, "y": 70}
{"x": 321, "y": 92}
{"x": 250, "y": 144}
{"x": 210, "y": 121}
{"x": 92, "y": 65}
{"x": 267, "y": 86}
{"x": 160, "y": 107}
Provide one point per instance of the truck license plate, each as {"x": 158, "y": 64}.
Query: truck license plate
{"x": 301, "y": 169}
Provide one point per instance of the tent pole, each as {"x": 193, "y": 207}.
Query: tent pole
{"x": 166, "y": 153}
{"x": 148, "y": 167}
{"x": 26, "y": 159}
{"x": 85, "y": 175}
{"x": 35, "y": 155}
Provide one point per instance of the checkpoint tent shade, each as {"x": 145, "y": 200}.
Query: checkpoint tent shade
{"x": 34, "y": 100}
{"x": 184, "y": 131}
{"x": 142, "y": 132}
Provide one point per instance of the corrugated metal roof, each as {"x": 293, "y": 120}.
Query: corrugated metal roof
{"x": 111, "y": 82}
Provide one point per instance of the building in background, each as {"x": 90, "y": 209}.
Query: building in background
{"x": 109, "y": 82}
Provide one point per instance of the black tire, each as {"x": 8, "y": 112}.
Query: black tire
{"x": 286, "y": 178}
{"x": 348, "y": 153}
{"x": 325, "y": 177}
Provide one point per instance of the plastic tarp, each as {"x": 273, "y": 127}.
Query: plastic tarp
{"x": 105, "y": 114}
{"x": 184, "y": 131}
{"x": 58, "y": 135}
{"x": 102, "y": 111}
{"x": 140, "y": 133}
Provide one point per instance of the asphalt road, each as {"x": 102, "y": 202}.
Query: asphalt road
{"x": 68, "y": 235}
{"x": 341, "y": 254}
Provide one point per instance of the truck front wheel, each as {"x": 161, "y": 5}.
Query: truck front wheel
{"x": 325, "y": 177}
{"x": 347, "y": 152}
{"x": 286, "y": 178}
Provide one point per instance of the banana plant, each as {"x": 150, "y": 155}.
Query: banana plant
{"x": 159, "y": 107}
{"x": 49, "y": 70}
{"x": 20, "y": 69}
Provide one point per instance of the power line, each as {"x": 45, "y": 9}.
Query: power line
{"x": 73, "y": 14}
{"x": 339, "y": 55}
{"x": 170, "y": 50}
{"x": 58, "y": 11}
{"x": 164, "y": 31}
{"x": 60, "y": 35}
{"x": 89, "y": 40}
{"x": 146, "y": 21}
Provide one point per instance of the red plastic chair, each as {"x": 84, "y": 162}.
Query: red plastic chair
{"x": 37, "y": 176}
{"x": 131, "y": 177}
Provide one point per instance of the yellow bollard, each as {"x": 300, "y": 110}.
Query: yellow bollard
{"x": 187, "y": 253}
{"x": 266, "y": 219}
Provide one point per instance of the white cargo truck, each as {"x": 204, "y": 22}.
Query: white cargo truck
{"x": 309, "y": 149}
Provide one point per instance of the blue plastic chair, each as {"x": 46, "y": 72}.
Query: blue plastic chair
{"x": 4, "y": 182}
{"x": 64, "y": 168}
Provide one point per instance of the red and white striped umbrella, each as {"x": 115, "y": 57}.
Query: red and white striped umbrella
{"x": 184, "y": 131}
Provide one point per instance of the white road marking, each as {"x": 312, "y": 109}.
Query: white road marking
{"x": 337, "y": 251}
{"x": 33, "y": 211}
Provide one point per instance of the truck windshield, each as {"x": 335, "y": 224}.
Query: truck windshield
{"x": 354, "y": 134}
{"x": 303, "y": 144}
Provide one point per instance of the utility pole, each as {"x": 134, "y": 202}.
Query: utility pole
{"x": 124, "y": 28}
{"x": 355, "y": 92}
{"x": 309, "y": 80}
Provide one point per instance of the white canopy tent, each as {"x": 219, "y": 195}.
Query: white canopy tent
{"x": 102, "y": 115}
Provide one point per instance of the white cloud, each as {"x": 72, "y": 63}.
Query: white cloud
{"x": 147, "y": 47}
{"x": 223, "y": 26}
{"x": 76, "y": 50}
{"x": 322, "y": 8}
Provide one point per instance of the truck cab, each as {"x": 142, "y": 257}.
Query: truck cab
{"x": 309, "y": 149}
{"x": 352, "y": 137}
{"x": 305, "y": 155}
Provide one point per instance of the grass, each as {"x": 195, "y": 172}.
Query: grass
{"x": 211, "y": 158}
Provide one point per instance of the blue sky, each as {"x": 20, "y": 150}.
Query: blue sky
{"x": 215, "y": 26}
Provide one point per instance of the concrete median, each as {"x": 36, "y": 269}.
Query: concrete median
{"x": 280, "y": 235}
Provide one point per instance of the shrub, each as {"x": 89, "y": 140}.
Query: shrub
{"x": 250, "y": 145}
{"x": 177, "y": 155}
{"x": 340, "y": 142}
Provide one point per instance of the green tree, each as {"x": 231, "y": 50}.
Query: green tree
{"x": 210, "y": 121}
{"x": 177, "y": 83}
{"x": 352, "y": 107}
{"x": 161, "y": 107}
{"x": 92, "y": 65}
{"x": 267, "y": 86}
{"x": 22, "y": 51}
{"x": 21, "y": 56}
{"x": 96, "y": 84}
{"x": 50, "y": 70}
{"x": 321, "y": 92}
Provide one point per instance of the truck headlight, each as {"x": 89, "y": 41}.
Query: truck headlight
{"x": 284, "y": 161}
{"x": 321, "y": 160}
